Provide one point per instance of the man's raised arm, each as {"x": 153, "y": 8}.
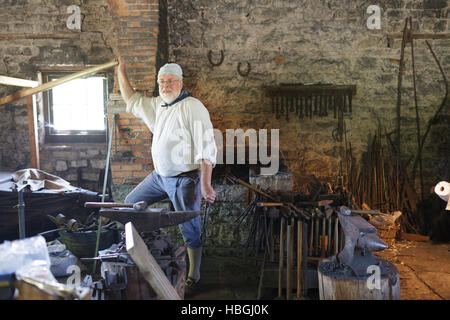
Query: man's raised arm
{"x": 126, "y": 90}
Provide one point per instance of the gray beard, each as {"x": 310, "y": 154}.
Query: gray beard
{"x": 167, "y": 98}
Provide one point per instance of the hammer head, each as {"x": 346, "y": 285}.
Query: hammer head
{"x": 140, "y": 206}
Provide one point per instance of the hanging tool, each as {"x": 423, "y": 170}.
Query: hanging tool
{"x": 317, "y": 99}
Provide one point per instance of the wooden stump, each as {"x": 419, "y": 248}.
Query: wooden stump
{"x": 336, "y": 286}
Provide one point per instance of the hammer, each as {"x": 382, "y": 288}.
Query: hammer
{"x": 139, "y": 206}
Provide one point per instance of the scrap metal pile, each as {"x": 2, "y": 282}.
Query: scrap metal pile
{"x": 121, "y": 275}
{"x": 121, "y": 279}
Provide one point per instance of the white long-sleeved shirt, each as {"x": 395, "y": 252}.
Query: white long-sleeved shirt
{"x": 182, "y": 133}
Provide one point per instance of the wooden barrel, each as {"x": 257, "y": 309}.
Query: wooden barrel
{"x": 336, "y": 286}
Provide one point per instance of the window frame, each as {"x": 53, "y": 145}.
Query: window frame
{"x": 70, "y": 136}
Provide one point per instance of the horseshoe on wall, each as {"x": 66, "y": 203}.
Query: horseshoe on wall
{"x": 210, "y": 58}
{"x": 242, "y": 73}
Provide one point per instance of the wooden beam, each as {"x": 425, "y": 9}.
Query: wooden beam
{"x": 9, "y": 81}
{"x": 40, "y": 36}
{"x": 414, "y": 237}
{"x": 147, "y": 265}
{"x": 421, "y": 36}
{"x": 48, "y": 85}
{"x": 32, "y": 133}
{"x": 299, "y": 257}
{"x": 316, "y": 89}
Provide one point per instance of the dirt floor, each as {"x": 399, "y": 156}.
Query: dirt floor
{"x": 424, "y": 270}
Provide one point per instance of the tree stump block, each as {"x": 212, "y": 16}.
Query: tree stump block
{"x": 337, "y": 285}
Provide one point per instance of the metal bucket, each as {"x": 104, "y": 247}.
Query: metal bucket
{"x": 82, "y": 244}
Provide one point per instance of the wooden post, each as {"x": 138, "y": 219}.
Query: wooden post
{"x": 289, "y": 258}
{"x": 147, "y": 265}
{"x": 280, "y": 265}
{"x": 32, "y": 133}
{"x": 316, "y": 236}
{"x": 420, "y": 36}
{"x": 336, "y": 236}
{"x": 323, "y": 243}
{"x": 311, "y": 237}
{"x": 329, "y": 237}
{"x": 299, "y": 257}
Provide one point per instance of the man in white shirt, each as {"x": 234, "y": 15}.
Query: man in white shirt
{"x": 183, "y": 152}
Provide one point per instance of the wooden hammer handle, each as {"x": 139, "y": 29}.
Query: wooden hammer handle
{"x": 107, "y": 205}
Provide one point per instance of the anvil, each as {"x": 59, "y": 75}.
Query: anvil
{"x": 361, "y": 239}
{"x": 150, "y": 219}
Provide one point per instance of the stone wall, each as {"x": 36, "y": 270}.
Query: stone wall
{"x": 108, "y": 28}
{"x": 304, "y": 41}
{"x": 77, "y": 163}
{"x": 323, "y": 41}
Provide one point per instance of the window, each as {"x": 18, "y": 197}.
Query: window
{"x": 75, "y": 111}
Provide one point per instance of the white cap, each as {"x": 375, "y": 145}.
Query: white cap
{"x": 171, "y": 68}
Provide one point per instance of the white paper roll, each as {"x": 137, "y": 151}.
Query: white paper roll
{"x": 442, "y": 189}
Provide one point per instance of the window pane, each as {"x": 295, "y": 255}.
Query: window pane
{"x": 79, "y": 105}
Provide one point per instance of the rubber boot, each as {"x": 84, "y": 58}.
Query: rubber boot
{"x": 195, "y": 260}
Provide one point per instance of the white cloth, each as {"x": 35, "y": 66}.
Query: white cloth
{"x": 171, "y": 68}
{"x": 182, "y": 133}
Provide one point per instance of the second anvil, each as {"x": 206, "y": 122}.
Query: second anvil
{"x": 150, "y": 219}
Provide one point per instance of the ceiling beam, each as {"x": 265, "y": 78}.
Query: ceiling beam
{"x": 421, "y": 36}
{"x": 39, "y": 36}
{"x": 9, "y": 81}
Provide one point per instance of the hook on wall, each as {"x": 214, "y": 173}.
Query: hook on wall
{"x": 244, "y": 74}
{"x": 215, "y": 64}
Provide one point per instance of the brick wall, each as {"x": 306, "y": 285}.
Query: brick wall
{"x": 136, "y": 28}
{"x": 130, "y": 153}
